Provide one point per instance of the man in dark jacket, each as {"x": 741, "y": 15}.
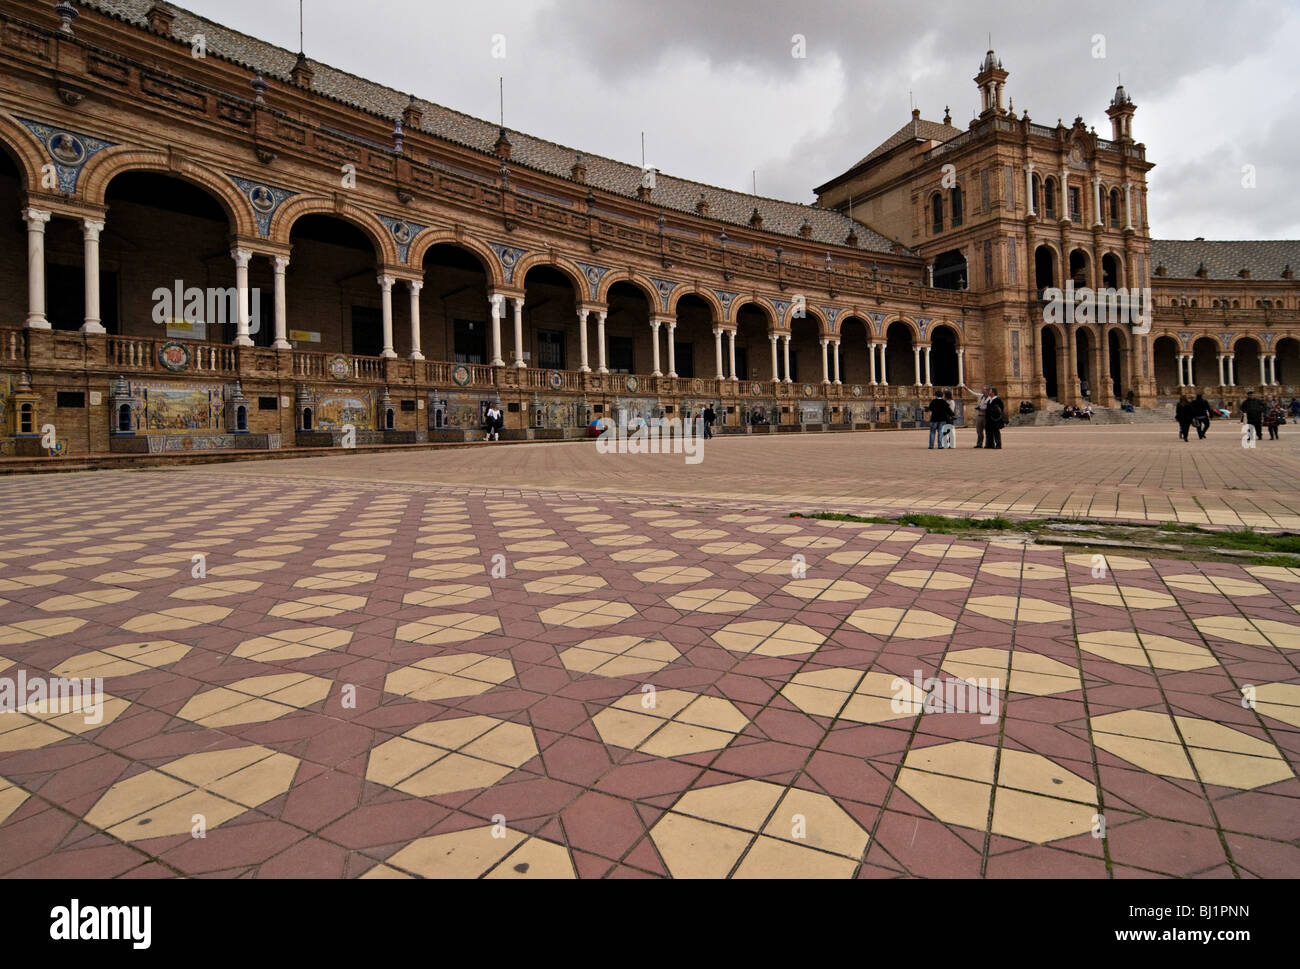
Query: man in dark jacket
{"x": 1252, "y": 413}
{"x": 938, "y": 409}
{"x": 710, "y": 418}
{"x": 1201, "y": 416}
{"x": 995, "y": 415}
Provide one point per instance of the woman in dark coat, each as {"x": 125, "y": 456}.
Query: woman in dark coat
{"x": 1183, "y": 414}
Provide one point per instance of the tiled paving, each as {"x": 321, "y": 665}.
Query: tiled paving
{"x": 369, "y": 674}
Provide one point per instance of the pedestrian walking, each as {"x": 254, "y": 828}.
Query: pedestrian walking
{"x": 981, "y": 416}
{"x": 493, "y": 423}
{"x": 709, "y": 419}
{"x": 938, "y": 409}
{"x": 1183, "y": 415}
{"x": 1295, "y": 410}
{"x": 950, "y": 424}
{"x": 1274, "y": 416}
{"x": 1201, "y": 416}
{"x": 995, "y": 416}
{"x": 1252, "y": 413}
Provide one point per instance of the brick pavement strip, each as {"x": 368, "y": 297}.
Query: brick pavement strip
{"x": 359, "y": 669}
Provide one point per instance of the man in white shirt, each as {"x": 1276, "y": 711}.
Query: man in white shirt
{"x": 979, "y": 416}
{"x": 493, "y": 422}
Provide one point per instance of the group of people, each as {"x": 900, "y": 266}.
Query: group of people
{"x": 1259, "y": 414}
{"x": 1083, "y": 413}
{"x": 990, "y": 418}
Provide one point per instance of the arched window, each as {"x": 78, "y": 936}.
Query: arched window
{"x": 936, "y": 212}
{"x": 26, "y": 420}
{"x": 956, "y": 206}
{"x": 1114, "y": 208}
{"x": 306, "y": 419}
{"x": 241, "y": 418}
{"x": 124, "y": 418}
{"x": 1049, "y": 198}
{"x": 1236, "y": 304}
{"x": 388, "y": 419}
{"x": 1038, "y": 196}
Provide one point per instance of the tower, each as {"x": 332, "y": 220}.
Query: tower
{"x": 1121, "y": 113}
{"x": 991, "y": 80}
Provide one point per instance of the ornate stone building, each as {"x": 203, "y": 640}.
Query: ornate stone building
{"x": 226, "y": 244}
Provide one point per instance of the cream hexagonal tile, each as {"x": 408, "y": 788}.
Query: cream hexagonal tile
{"x": 30, "y": 630}
{"x": 725, "y": 549}
{"x": 122, "y": 660}
{"x": 549, "y": 563}
{"x": 440, "y": 677}
{"x": 479, "y": 853}
{"x": 933, "y": 580}
{"x": 1142, "y": 649}
{"x": 344, "y": 579}
{"x": 812, "y": 542}
{"x": 712, "y": 601}
{"x": 448, "y": 553}
{"x": 1115, "y": 563}
{"x": 451, "y": 627}
{"x": 294, "y": 643}
{"x": 670, "y": 723}
{"x": 538, "y": 546}
{"x": 1031, "y": 673}
{"x": 180, "y": 617}
{"x": 848, "y": 694}
{"x": 90, "y": 599}
{"x": 938, "y": 551}
{"x": 446, "y": 595}
{"x": 1281, "y": 701}
{"x": 255, "y": 699}
{"x": 784, "y": 567}
{"x": 902, "y": 623}
{"x": 1123, "y": 596}
{"x": 766, "y": 637}
{"x": 1222, "y": 755}
{"x": 1025, "y": 571}
{"x": 1019, "y": 609}
{"x": 220, "y": 785}
{"x": 674, "y": 575}
{"x": 1250, "y": 632}
{"x": 36, "y": 725}
{"x": 16, "y": 583}
{"x": 451, "y": 755}
{"x": 1275, "y": 573}
{"x": 1036, "y": 799}
{"x": 318, "y": 607}
{"x": 448, "y": 570}
{"x": 638, "y": 555}
{"x": 700, "y": 534}
{"x": 773, "y": 528}
{"x": 827, "y": 590}
{"x": 618, "y": 656}
{"x": 565, "y": 585}
{"x": 12, "y": 798}
{"x": 1220, "y": 585}
{"x": 215, "y": 589}
{"x": 756, "y": 829}
{"x": 586, "y": 613}
{"x": 862, "y": 558}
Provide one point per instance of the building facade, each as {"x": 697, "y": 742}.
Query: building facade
{"x": 219, "y": 243}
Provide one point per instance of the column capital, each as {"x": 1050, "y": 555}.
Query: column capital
{"x": 385, "y": 282}
{"x": 281, "y": 263}
{"x": 774, "y": 337}
{"x": 415, "y": 285}
{"x": 91, "y": 228}
{"x": 717, "y": 331}
{"x": 241, "y": 256}
{"x": 655, "y": 323}
{"x": 36, "y": 217}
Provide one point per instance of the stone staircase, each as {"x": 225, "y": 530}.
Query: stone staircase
{"x": 1162, "y": 414}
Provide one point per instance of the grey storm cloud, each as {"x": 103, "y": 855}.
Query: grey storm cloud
{"x": 715, "y": 88}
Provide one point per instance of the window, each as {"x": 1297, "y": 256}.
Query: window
{"x": 984, "y": 190}
{"x": 621, "y": 359}
{"x": 1076, "y": 215}
{"x": 1012, "y": 269}
{"x": 684, "y": 354}
{"x": 124, "y": 418}
{"x": 26, "y": 419}
{"x": 1038, "y": 196}
{"x": 408, "y": 405}
{"x": 1049, "y": 198}
{"x": 956, "y": 206}
{"x": 70, "y": 398}
{"x": 367, "y": 331}
{"x": 550, "y": 349}
{"x": 268, "y": 403}
{"x": 988, "y": 264}
{"x": 470, "y": 342}
{"x": 306, "y": 419}
{"x": 936, "y": 212}
{"x": 1114, "y": 208}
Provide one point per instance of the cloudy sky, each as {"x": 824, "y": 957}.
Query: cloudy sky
{"x": 716, "y": 90}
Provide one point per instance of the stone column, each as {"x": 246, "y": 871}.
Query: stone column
{"x": 1128, "y": 206}
{"x": 776, "y": 373}
{"x": 1096, "y": 202}
{"x": 1029, "y": 189}
{"x": 241, "y": 257}
{"x": 497, "y": 309}
{"x": 785, "y": 346}
{"x": 1263, "y": 377}
{"x": 36, "y": 219}
{"x": 835, "y": 359}
{"x": 1071, "y": 366}
{"x": 961, "y": 366}
{"x": 731, "y": 353}
{"x": 582, "y": 340}
{"x": 519, "y": 332}
{"x": 717, "y": 351}
{"x": 386, "y": 297}
{"x": 654, "y": 337}
{"x": 415, "y": 285}
{"x": 916, "y": 366}
{"x": 600, "y": 340}
{"x": 884, "y": 369}
{"x": 672, "y": 348}
{"x": 826, "y": 377}
{"x": 1272, "y": 370}
{"x": 871, "y": 361}
{"x": 90, "y": 231}
{"x": 281, "y": 305}
{"x": 927, "y": 367}
{"x": 1065, "y": 215}
{"x": 1221, "y": 383}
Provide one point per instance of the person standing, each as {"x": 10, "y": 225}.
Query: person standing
{"x": 949, "y": 436}
{"x": 1274, "y": 416}
{"x": 709, "y": 418}
{"x": 1252, "y": 413}
{"x": 1183, "y": 415}
{"x": 494, "y": 422}
{"x": 1201, "y": 416}
{"x": 995, "y": 414}
{"x": 1295, "y": 409}
{"x": 938, "y": 409}
{"x": 981, "y": 409}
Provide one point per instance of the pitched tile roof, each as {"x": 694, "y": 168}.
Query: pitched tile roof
{"x": 785, "y": 218}
{"x": 916, "y": 130}
{"x": 1224, "y": 260}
